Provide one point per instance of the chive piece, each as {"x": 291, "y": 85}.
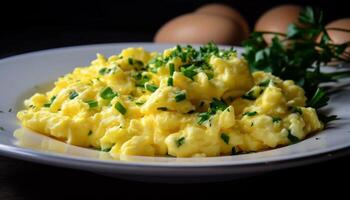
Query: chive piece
{"x": 225, "y": 137}
{"x": 92, "y": 103}
{"x": 50, "y": 102}
{"x": 130, "y": 61}
{"x": 202, "y": 117}
{"x": 120, "y": 108}
{"x": 264, "y": 83}
{"x": 171, "y": 69}
{"x": 276, "y": 119}
{"x": 250, "y": 114}
{"x": 141, "y": 80}
{"x": 251, "y": 124}
{"x": 217, "y": 105}
{"x": 296, "y": 110}
{"x": 151, "y": 88}
{"x": 180, "y": 97}
{"x": 139, "y": 62}
{"x": 162, "y": 108}
{"x": 90, "y": 132}
{"x": 2, "y": 128}
{"x": 180, "y": 141}
{"x": 73, "y": 94}
{"x": 108, "y": 94}
{"x": 170, "y": 81}
{"x": 201, "y": 104}
{"x": 189, "y": 71}
{"x": 293, "y": 139}
{"x": 140, "y": 103}
{"x": 250, "y": 95}
{"x": 104, "y": 71}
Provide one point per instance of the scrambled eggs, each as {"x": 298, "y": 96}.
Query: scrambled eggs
{"x": 182, "y": 102}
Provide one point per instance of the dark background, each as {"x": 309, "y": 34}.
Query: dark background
{"x": 32, "y": 25}
{"x": 28, "y": 26}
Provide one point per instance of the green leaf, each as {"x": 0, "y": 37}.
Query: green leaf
{"x": 189, "y": 71}
{"x": 118, "y": 106}
{"x": 171, "y": 69}
{"x": 319, "y": 99}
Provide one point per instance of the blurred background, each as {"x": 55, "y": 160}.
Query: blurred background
{"x": 28, "y": 26}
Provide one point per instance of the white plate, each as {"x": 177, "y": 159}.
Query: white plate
{"x": 22, "y": 75}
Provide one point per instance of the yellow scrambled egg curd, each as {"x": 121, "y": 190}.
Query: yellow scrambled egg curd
{"x": 182, "y": 102}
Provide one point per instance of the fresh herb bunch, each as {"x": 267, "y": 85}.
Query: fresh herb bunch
{"x": 299, "y": 54}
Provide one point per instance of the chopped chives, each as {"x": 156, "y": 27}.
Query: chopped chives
{"x": 180, "y": 97}
{"x": 170, "y": 81}
{"x": 180, "y": 141}
{"x": 108, "y": 94}
{"x": 73, "y": 94}
{"x": 92, "y": 103}
{"x": 151, "y": 88}
{"x": 171, "y": 69}
{"x": 120, "y": 108}
{"x": 250, "y": 113}
{"x": 162, "y": 108}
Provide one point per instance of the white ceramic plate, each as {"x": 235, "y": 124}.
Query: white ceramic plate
{"x": 21, "y": 76}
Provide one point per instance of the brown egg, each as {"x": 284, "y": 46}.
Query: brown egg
{"x": 339, "y": 37}
{"x": 199, "y": 29}
{"x": 277, "y": 19}
{"x": 225, "y": 11}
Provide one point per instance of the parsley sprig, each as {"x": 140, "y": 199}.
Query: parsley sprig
{"x": 298, "y": 55}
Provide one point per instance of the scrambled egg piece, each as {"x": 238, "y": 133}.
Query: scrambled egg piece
{"x": 182, "y": 102}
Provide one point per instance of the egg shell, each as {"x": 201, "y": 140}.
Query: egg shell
{"x": 277, "y": 19}
{"x": 339, "y": 37}
{"x": 225, "y": 11}
{"x": 200, "y": 29}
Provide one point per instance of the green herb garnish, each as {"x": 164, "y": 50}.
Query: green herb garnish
{"x": 296, "y": 110}
{"x": 202, "y": 117}
{"x": 108, "y": 93}
{"x": 293, "y": 139}
{"x": 180, "y": 97}
{"x": 90, "y": 132}
{"x": 170, "y": 81}
{"x": 298, "y": 55}
{"x": 130, "y": 61}
{"x": 151, "y": 88}
{"x": 73, "y": 94}
{"x": 92, "y": 103}
{"x": 171, "y": 69}
{"x": 140, "y": 103}
{"x": 189, "y": 71}
{"x": 276, "y": 119}
{"x": 250, "y": 114}
{"x": 180, "y": 141}
{"x": 225, "y": 138}
{"x": 104, "y": 71}
{"x": 50, "y": 102}
{"x": 249, "y": 95}
{"x": 120, "y": 108}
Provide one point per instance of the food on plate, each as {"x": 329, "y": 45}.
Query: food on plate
{"x": 277, "y": 19}
{"x": 228, "y": 12}
{"x": 182, "y": 102}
